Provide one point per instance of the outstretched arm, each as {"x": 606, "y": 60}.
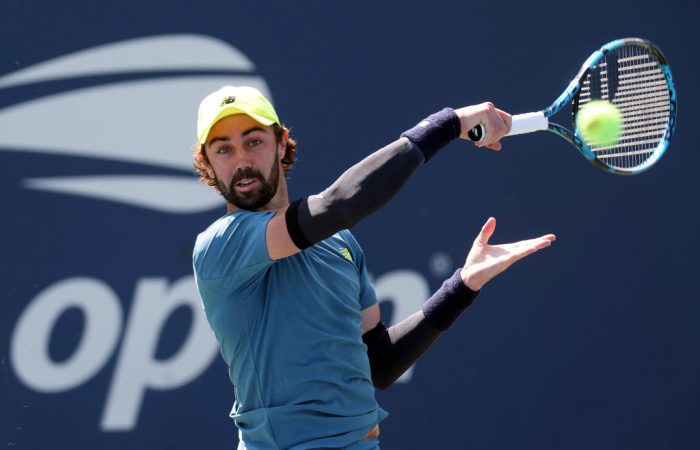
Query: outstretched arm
{"x": 392, "y": 351}
{"x": 369, "y": 184}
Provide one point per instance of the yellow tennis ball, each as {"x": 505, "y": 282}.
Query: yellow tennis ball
{"x": 599, "y": 123}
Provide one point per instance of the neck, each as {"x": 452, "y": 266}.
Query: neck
{"x": 272, "y": 206}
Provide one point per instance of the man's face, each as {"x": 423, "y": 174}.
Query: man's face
{"x": 244, "y": 156}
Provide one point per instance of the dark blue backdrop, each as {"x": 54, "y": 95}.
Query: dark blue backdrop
{"x": 592, "y": 343}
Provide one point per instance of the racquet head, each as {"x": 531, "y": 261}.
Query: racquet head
{"x": 634, "y": 76}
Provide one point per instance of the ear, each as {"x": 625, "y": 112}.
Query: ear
{"x": 207, "y": 167}
{"x": 282, "y": 147}
{"x": 210, "y": 171}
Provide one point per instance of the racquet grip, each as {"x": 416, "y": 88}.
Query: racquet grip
{"x": 522, "y": 123}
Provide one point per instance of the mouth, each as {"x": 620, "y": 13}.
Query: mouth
{"x": 246, "y": 184}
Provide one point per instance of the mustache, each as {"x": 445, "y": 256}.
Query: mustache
{"x": 246, "y": 173}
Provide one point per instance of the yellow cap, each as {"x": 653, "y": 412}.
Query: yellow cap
{"x": 230, "y": 100}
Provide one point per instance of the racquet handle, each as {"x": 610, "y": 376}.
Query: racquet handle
{"x": 522, "y": 123}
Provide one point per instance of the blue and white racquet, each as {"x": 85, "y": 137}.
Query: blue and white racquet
{"x": 633, "y": 75}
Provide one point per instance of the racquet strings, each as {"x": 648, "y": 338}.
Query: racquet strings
{"x": 630, "y": 77}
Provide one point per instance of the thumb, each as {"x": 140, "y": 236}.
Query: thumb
{"x": 487, "y": 231}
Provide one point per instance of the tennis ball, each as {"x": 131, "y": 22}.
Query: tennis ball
{"x": 599, "y": 123}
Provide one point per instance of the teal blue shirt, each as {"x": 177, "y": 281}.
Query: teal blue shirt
{"x": 290, "y": 332}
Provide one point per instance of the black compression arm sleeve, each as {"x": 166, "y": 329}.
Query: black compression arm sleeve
{"x": 391, "y": 352}
{"x": 360, "y": 191}
{"x": 371, "y": 183}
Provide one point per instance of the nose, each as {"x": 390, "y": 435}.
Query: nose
{"x": 244, "y": 161}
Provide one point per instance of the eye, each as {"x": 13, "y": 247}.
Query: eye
{"x": 223, "y": 149}
{"x": 254, "y": 142}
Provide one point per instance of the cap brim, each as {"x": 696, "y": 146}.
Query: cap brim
{"x": 232, "y": 111}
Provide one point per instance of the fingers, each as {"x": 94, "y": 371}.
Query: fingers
{"x": 545, "y": 240}
{"x": 524, "y": 248}
{"x": 507, "y": 119}
{"x": 484, "y": 261}
{"x": 497, "y": 146}
{"x": 486, "y": 231}
{"x": 496, "y": 123}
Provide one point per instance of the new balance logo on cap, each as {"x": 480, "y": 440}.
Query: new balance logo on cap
{"x": 228, "y": 100}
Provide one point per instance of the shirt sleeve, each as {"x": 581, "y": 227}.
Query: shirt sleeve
{"x": 233, "y": 247}
{"x": 368, "y": 296}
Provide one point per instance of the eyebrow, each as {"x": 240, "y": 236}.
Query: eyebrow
{"x": 244, "y": 134}
{"x": 252, "y": 129}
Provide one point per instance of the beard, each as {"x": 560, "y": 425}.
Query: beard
{"x": 256, "y": 199}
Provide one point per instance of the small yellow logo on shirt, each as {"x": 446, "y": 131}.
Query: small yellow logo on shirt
{"x": 346, "y": 253}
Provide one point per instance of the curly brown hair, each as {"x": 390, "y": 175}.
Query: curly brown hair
{"x": 201, "y": 162}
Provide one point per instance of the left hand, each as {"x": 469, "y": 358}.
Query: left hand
{"x": 485, "y": 261}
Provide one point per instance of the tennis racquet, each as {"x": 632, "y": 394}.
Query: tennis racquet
{"x": 634, "y": 76}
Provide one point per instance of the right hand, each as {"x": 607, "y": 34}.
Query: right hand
{"x": 496, "y": 123}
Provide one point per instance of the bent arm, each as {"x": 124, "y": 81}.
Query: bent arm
{"x": 392, "y": 351}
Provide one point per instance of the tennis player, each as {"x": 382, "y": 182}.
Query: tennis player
{"x": 285, "y": 285}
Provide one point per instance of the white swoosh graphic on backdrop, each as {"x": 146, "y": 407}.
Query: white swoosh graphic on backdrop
{"x": 134, "y": 190}
{"x": 146, "y": 121}
{"x": 157, "y": 53}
